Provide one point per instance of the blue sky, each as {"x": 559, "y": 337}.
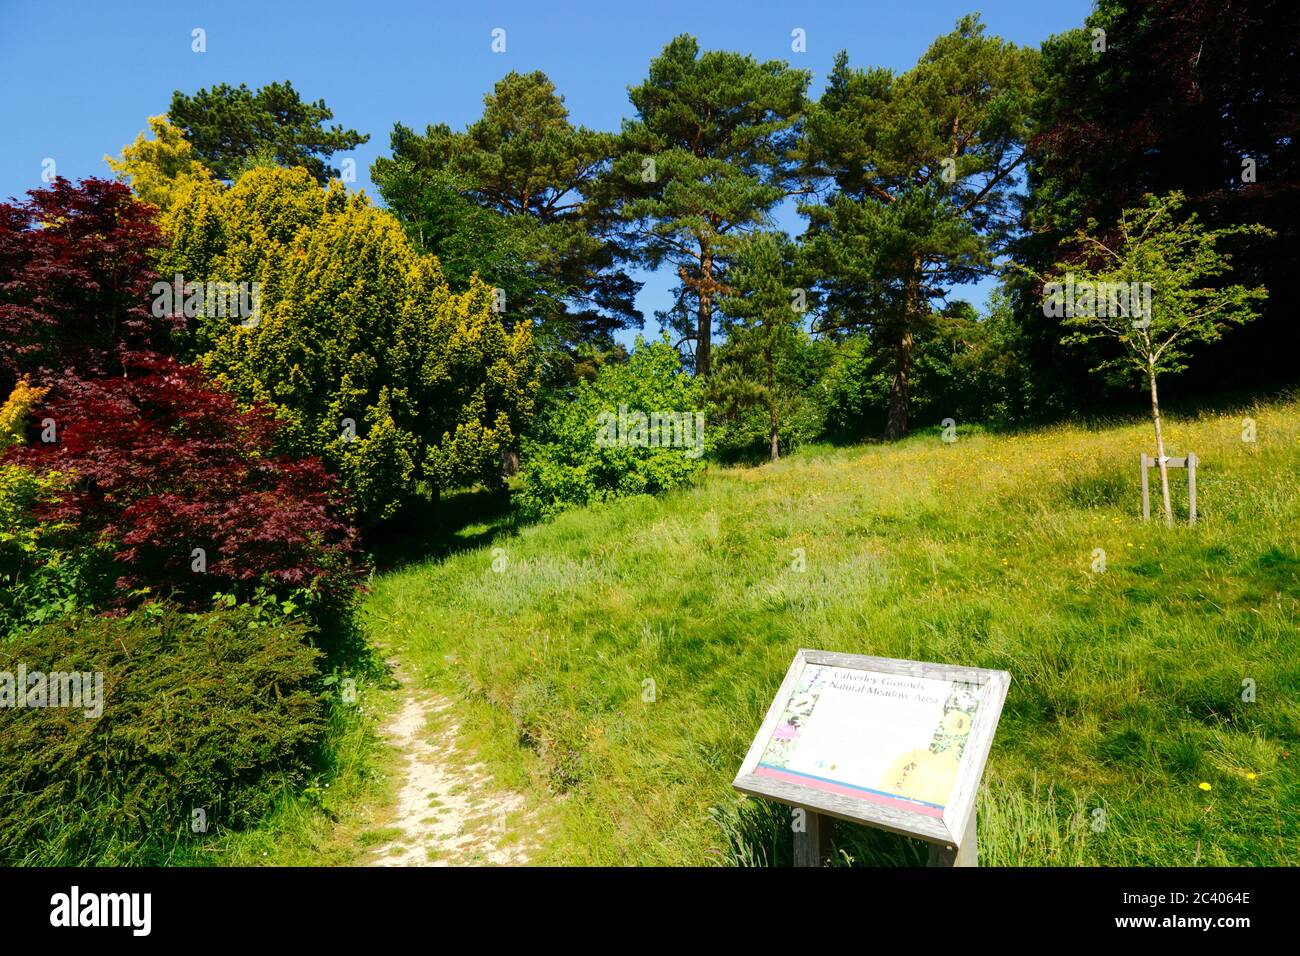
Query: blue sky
{"x": 80, "y": 78}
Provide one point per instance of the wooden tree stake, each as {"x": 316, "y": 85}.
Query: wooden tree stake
{"x": 1190, "y": 463}
{"x": 1146, "y": 489}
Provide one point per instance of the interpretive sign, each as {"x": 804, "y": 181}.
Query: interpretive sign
{"x": 894, "y": 744}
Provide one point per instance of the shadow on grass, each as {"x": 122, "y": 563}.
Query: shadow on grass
{"x": 434, "y": 529}
{"x": 1120, "y": 409}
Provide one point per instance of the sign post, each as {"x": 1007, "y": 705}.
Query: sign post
{"x": 894, "y": 744}
{"x": 812, "y": 843}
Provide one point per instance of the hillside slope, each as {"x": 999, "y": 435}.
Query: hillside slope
{"x": 1127, "y": 684}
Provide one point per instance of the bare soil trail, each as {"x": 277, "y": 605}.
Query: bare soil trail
{"x": 449, "y": 811}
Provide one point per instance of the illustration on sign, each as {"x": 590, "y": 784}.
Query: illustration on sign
{"x": 909, "y": 760}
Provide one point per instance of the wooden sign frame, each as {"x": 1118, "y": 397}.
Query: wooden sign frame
{"x": 1189, "y": 462}
{"x": 955, "y": 829}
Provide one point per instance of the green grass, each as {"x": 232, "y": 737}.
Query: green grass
{"x": 1126, "y": 685}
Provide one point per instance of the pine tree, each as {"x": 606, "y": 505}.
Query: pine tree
{"x": 229, "y": 127}
{"x": 922, "y": 164}
{"x": 508, "y": 199}
{"x": 763, "y": 317}
{"x": 708, "y": 155}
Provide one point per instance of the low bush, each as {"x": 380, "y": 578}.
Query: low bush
{"x": 854, "y": 394}
{"x": 742, "y": 433}
{"x": 607, "y": 441}
{"x": 42, "y": 575}
{"x": 964, "y": 368}
{"x": 216, "y": 712}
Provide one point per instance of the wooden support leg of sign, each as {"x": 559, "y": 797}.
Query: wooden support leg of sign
{"x": 967, "y": 854}
{"x": 1146, "y": 490}
{"x": 812, "y": 847}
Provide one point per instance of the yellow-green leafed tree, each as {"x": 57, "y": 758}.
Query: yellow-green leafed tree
{"x": 368, "y": 357}
{"x": 16, "y": 409}
{"x": 158, "y": 169}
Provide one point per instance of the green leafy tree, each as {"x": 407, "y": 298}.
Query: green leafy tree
{"x": 637, "y": 428}
{"x": 507, "y": 199}
{"x": 708, "y": 156}
{"x": 763, "y": 318}
{"x": 1198, "y": 98}
{"x": 231, "y": 128}
{"x": 923, "y": 169}
{"x": 1173, "y": 267}
{"x": 368, "y": 358}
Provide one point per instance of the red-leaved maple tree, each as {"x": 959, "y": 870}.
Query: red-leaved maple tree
{"x": 76, "y": 272}
{"x": 168, "y": 475}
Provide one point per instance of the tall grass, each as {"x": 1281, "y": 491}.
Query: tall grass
{"x": 1127, "y": 690}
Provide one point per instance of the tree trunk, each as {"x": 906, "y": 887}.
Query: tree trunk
{"x": 896, "y": 424}
{"x": 704, "y": 318}
{"x": 771, "y": 409}
{"x": 509, "y": 463}
{"x": 1160, "y": 449}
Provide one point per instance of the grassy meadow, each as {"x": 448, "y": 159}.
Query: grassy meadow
{"x": 1125, "y": 738}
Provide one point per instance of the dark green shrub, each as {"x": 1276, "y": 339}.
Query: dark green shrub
{"x": 215, "y": 711}
{"x": 965, "y": 367}
{"x": 855, "y": 390}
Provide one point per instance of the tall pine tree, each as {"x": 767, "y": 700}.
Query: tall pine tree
{"x": 922, "y": 168}
{"x": 709, "y": 154}
{"x": 508, "y": 199}
{"x": 231, "y": 128}
{"x": 763, "y": 319}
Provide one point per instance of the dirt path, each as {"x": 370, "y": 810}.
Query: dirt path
{"x": 448, "y": 811}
